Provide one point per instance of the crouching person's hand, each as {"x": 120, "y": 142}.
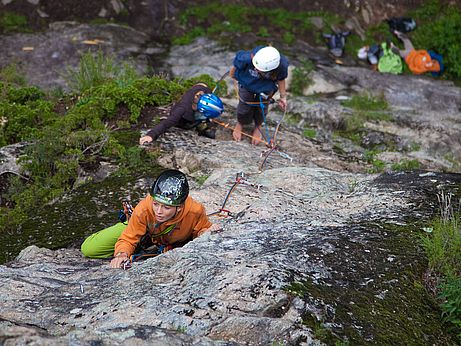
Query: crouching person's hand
{"x": 213, "y": 228}
{"x": 118, "y": 260}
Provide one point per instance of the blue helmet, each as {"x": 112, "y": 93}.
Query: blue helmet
{"x": 210, "y": 106}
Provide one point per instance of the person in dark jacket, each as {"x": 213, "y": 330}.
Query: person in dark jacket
{"x": 260, "y": 73}
{"x": 194, "y": 109}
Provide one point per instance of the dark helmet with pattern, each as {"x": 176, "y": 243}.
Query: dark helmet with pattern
{"x": 170, "y": 188}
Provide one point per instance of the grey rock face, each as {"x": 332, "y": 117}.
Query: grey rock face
{"x": 292, "y": 224}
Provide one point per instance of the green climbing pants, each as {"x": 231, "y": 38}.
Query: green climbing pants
{"x": 101, "y": 244}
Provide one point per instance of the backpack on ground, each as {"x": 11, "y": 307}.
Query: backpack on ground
{"x": 436, "y": 56}
{"x": 401, "y": 24}
{"x": 389, "y": 61}
{"x": 336, "y": 42}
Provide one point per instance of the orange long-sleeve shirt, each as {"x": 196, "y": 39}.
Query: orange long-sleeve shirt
{"x": 419, "y": 61}
{"x": 190, "y": 220}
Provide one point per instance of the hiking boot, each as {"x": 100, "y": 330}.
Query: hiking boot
{"x": 209, "y": 133}
{"x": 206, "y": 129}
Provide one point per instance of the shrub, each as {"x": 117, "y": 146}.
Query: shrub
{"x": 60, "y": 145}
{"x": 215, "y": 19}
{"x": 10, "y": 74}
{"x": 406, "y": 165}
{"x": 301, "y": 77}
{"x": 95, "y": 70}
{"x": 12, "y": 22}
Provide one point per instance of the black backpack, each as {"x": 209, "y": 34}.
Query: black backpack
{"x": 401, "y": 24}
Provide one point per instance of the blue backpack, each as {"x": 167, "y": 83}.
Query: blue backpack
{"x": 436, "y": 56}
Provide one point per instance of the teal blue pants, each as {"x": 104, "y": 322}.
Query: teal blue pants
{"x": 102, "y": 244}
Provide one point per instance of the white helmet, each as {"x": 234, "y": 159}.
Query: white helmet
{"x": 266, "y": 59}
{"x": 362, "y": 53}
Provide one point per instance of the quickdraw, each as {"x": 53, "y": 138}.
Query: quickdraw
{"x": 274, "y": 146}
{"x": 125, "y": 213}
{"x": 221, "y": 210}
{"x": 240, "y": 179}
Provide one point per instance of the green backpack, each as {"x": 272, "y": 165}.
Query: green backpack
{"x": 390, "y": 62}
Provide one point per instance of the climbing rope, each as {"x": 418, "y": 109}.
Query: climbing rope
{"x": 274, "y": 146}
{"x": 228, "y": 126}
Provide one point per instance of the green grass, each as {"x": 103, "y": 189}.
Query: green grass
{"x": 11, "y": 74}
{"x": 96, "y": 69}
{"x": 309, "y": 133}
{"x": 365, "y": 108}
{"x": 201, "y": 179}
{"x": 443, "y": 249}
{"x": 439, "y": 28}
{"x": 217, "y": 19}
{"x": 11, "y": 22}
{"x": 377, "y": 164}
{"x": 366, "y": 102}
{"x": 406, "y": 165}
{"x": 301, "y": 77}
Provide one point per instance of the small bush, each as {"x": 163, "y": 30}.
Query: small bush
{"x": 309, "y": 133}
{"x": 12, "y": 22}
{"x": 366, "y": 102}
{"x": 95, "y": 70}
{"x": 216, "y": 19}
{"x": 451, "y": 306}
{"x": 301, "y": 77}
{"x": 59, "y": 146}
{"x": 10, "y": 74}
{"x": 406, "y": 165}
{"x": 377, "y": 164}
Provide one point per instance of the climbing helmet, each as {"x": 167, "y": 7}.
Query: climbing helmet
{"x": 210, "y": 106}
{"x": 170, "y": 188}
{"x": 266, "y": 59}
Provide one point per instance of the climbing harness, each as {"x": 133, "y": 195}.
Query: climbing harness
{"x": 151, "y": 251}
{"x": 261, "y": 104}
